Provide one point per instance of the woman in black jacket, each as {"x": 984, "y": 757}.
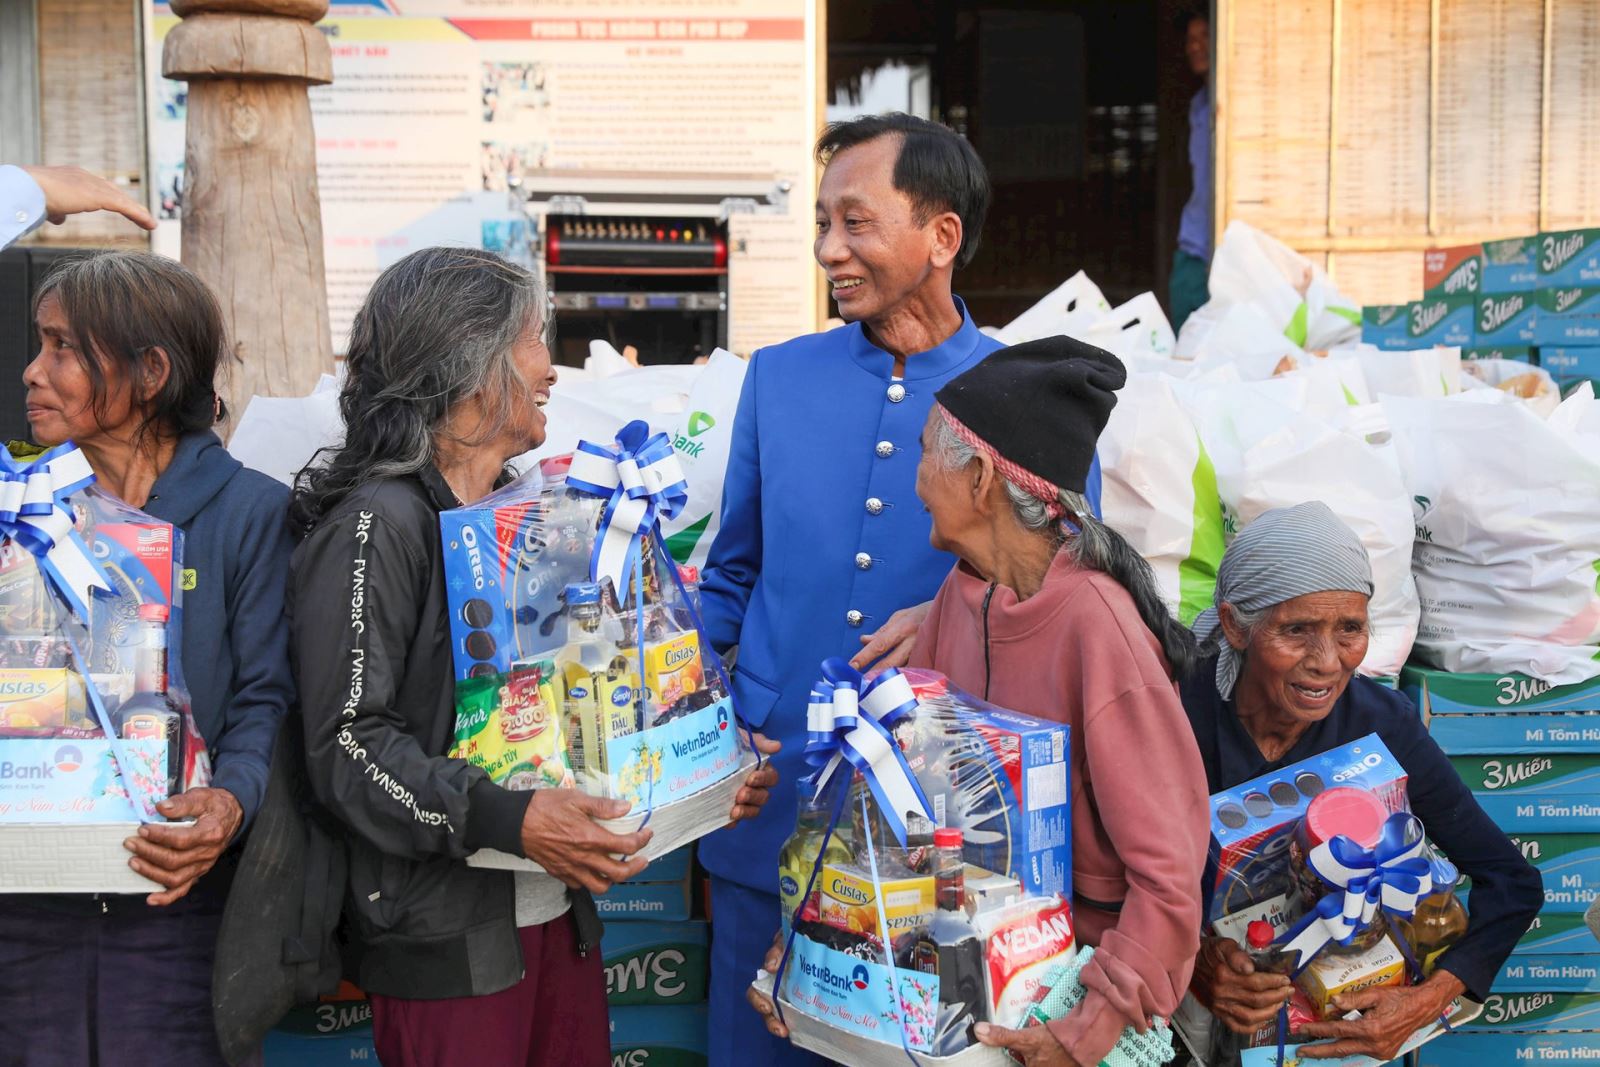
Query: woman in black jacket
{"x": 448, "y": 373}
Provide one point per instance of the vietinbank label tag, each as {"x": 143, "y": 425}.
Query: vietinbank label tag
{"x": 676, "y": 758}
{"x": 62, "y": 780}
{"x": 856, "y": 996}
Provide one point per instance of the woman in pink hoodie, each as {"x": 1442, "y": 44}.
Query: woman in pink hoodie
{"x": 1051, "y": 613}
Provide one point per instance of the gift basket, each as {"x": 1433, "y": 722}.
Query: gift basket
{"x": 926, "y": 886}
{"x": 95, "y": 727}
{"x": 580, "y": 658}
{"x": 1320, "y": 871}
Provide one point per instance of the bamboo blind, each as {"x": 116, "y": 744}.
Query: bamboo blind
{"x": 89, "y": 103}
{"x": 1572, "y": 171}
{"x": 1368, "y": 130}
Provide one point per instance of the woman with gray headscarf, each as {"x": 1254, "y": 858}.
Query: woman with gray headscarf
{"x": 1288, "y": 630}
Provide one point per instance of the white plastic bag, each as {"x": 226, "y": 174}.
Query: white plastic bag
{"x": 1138, "y": 328}
{"x": 1508, "y": 532}
{"x": 1072, "y": 307}
{"x": 694, "y": 404}
{"x": 1531, "y": 384}
{"x": 1158, "y": 491}
{"x": 1238, "y": 333}
{"x": 1267, "y": 454}
{"x": 1296, "y": 295}
{"x": 1420, "y": 373}
{"x": 703, "y": 437}
{"x": 278, "y": 435}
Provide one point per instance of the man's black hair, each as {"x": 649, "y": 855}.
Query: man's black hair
{"x": 936, "y": 168}
{"x": 1188, "y": 15}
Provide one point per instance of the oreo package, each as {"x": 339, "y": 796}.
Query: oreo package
{"x": 505, "y": 569}
{"x": 1251, "y": 824}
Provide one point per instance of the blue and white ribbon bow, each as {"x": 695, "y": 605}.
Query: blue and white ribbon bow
{"x": 35, "y": 514}
{"x": 1390, "y": 877}
{"x": 848, "y": 723}
{"x": 640, "y": 477}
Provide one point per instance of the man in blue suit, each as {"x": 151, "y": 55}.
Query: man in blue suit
{"x": 824, "y": 547}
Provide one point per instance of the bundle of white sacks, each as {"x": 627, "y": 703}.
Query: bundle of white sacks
{"x": 1474, "y": 486}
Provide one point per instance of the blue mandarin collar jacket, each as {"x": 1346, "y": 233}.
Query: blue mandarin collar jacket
{"x": 822, "y": 538}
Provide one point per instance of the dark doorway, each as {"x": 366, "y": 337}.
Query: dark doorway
{"x": 1080, "y": 110}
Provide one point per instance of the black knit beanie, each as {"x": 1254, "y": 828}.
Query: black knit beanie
{"x": 1040, "y": 405}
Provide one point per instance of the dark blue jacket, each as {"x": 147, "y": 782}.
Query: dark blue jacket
{"x": 1506, "y": 891}
{"x": 235, "y": 643}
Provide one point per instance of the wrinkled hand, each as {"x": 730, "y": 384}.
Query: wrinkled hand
{"x": 1036, "y": 1046}
{"x": 893, "y": 640}
{"x": 73, "y": 191}
{"x": 1388, "y": 1016}
{"x": 1226, "y": 982}
{"x": 559, "y": 833}
{"x": 763, "y": 1004}
{"x": 176, "y": 856}
{"x": 753, "y": 794}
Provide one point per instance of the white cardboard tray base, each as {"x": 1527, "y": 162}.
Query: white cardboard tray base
{"x": 672, "y": 825}
{"x": 813, "y": 1035}
{"x": 69, "y": 858}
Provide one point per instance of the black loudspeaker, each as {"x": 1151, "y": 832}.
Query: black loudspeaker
{"x": 21, "y": 271}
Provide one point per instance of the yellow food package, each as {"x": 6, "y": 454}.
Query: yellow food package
{"x": 673, "y": 668}
{"x": 849, "y": 900}
{"x": 42, "y": 698}
{"x": 1335, "y": 972}
{"x": 508, "y": 725}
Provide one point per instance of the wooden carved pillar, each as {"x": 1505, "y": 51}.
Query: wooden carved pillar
{"x": 252, "y": 219}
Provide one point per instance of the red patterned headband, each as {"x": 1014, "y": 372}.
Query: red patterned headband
{"x": 1026, "y": 480}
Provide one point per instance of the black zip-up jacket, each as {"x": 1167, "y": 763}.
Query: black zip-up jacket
{"x": 371, "y": 649}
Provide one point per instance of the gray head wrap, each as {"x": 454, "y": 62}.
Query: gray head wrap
{"x": 1287, "y": 552}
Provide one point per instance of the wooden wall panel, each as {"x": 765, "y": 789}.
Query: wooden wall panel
{"x": 1451, "y": 121}
{"x": 1278, "y": 78}
{"x": 1491, "y": 54}
{"x": 1572, "y": 158}
{"x": 1380, "y": 162}
{"x": 90, "y": 110}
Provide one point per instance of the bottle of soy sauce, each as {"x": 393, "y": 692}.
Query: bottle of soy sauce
{"x": 955, "y": 939}
{"x": 150, "y": 713}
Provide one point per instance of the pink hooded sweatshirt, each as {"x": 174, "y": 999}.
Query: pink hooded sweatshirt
{"x": 1077, "y": 652}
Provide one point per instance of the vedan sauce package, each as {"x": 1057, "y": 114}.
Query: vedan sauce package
{"x": 1022, "y": 943}
{"x": 94, "y": 714}
{"x": 578, "y": 650}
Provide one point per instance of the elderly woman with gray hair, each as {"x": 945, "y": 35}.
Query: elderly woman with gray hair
{"x": 449, "y": 373}
{"x": 1286, "y": 636}
{"x": 1051, "y": 613}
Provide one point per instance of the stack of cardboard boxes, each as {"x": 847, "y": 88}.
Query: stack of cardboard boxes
{"x": 1534, "y": 299}
{"x": 334, "y": 1033}
{"x": 1530, "y": 754}
{"x": 657, "y": 959}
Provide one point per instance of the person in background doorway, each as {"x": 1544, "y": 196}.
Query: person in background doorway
{"x": 1192, "y": 260}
